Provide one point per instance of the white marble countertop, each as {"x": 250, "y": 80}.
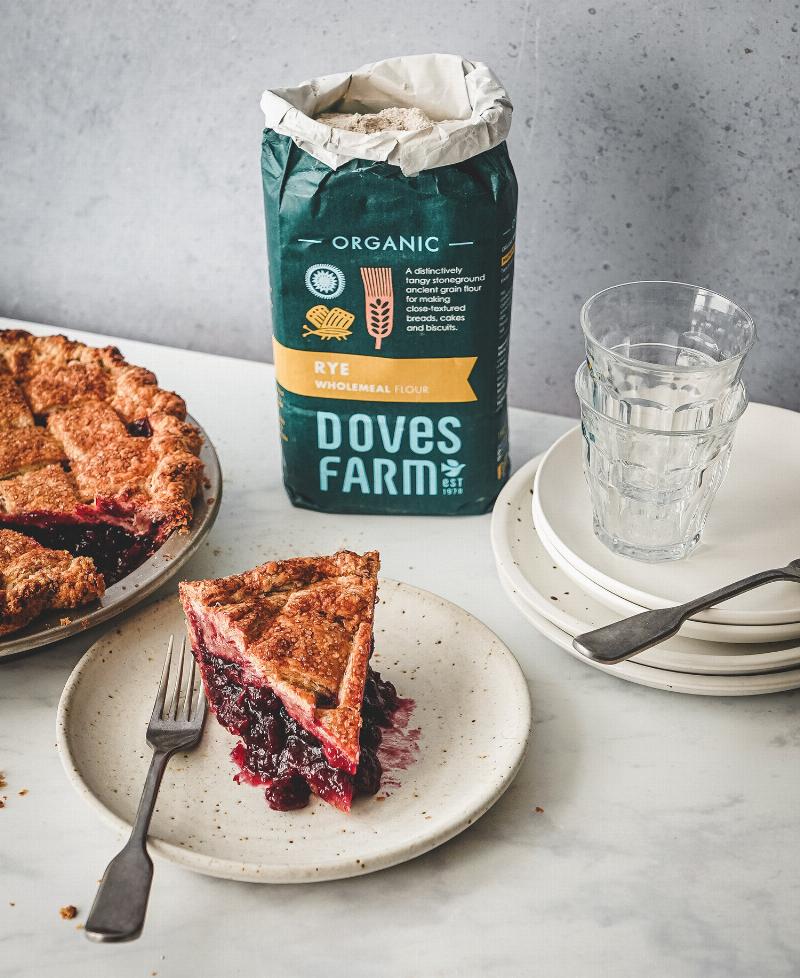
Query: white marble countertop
{"x": 667, "y": 844}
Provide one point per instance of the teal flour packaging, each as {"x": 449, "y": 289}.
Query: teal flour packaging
{"x": 391, "y": 209}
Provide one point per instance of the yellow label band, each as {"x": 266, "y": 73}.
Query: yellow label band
{"x": 351, "y": 377}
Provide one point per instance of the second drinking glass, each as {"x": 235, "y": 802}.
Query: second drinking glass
{"x": 666, "y": 355}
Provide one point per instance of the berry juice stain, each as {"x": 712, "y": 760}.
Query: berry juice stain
{"x": 399, "y": 748}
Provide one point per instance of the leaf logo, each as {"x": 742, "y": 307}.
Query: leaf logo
{"x": 452, "y": 467}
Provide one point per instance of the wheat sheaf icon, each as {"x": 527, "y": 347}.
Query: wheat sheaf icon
{"x": 379, "y": 300}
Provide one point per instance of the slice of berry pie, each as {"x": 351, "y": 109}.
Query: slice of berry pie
{"x": 95, "y": 460}
{"x": 284, "y": 653}
{"x": 36, "y": 579}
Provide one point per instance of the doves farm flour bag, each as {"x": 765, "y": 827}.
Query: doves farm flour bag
{"x": 391, "y": 206}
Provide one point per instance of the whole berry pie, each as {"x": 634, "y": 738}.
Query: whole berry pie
{"x": 284, "y": 652}
{"x": 98, "y": 466}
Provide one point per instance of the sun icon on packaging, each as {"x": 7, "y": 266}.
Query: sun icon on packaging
{"x": 325, "y": 281}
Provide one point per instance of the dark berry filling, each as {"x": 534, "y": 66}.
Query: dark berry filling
{"x": 115, "y": 549}
{"x": 279, "y": 753}
{"x": 140, "y": 428}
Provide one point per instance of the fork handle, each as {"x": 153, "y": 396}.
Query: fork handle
{"x": 120, "y": 906}
{"x": 622, "y": 639}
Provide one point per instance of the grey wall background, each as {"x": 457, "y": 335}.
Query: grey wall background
{"x": 651, "y": 140}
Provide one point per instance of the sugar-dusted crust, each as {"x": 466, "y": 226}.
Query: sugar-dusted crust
{"x": 303, "y": 627}
{"x": 34, "y": 579}
{"x": 26, "y": 449}
{"x": 50, "y": 489}
{"x": 86, "y": 397}
{"x": 14, "y": 410}
{"x": 83, "y": 431}
{"x": 55, "y": 371}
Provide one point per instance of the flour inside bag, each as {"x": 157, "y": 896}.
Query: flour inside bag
{"x": 391, "y": 204}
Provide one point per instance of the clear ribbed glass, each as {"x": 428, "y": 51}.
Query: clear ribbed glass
{"x": 651, "y": 490}
{"x": 667, "y": 354}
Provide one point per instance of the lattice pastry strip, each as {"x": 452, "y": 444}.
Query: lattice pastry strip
{"x": 14, "y": 410}
{"x": 50, "y": 489}
{"x": 24, "y": 449}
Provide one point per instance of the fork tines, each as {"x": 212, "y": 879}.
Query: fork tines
{"x": 183, "y": 690}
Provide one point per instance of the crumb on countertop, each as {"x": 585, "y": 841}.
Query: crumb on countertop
{"x": 3, "y": 782}
{"x": 69, "y": 912}
{"x": 22, "y": 791}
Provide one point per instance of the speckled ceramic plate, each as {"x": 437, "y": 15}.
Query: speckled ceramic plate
{"x": 470, "y": 724}
{"x": 674, "y": 682}
{"x": 136, "y": 586}
{"x": 754, "y": 524}
{"x": 700, "y": 631}
{"x": 549, "y": 591}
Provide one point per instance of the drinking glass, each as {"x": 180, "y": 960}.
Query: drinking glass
{"x": 651, "y": 490}
{"x": 669, "y": 353}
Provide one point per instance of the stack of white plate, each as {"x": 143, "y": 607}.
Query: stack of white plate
{"x": 565, "y": 581}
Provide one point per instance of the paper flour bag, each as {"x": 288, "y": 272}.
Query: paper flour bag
{"x": 391, "y": 206}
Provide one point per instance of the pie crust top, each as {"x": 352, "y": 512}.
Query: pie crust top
{"x": 86, "y": 438}
{"x": 303, "y": 627}
{"x": 79, "y": 425}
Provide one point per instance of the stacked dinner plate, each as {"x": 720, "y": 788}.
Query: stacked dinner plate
{"x": 565, "y": 581}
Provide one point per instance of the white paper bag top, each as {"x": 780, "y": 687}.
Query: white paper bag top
{"x": 471, "y": 109}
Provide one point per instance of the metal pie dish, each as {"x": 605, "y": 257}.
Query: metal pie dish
{"x": 53, "y": 626}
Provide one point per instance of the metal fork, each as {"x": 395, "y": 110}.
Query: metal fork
{"x": 119, "y": 908}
